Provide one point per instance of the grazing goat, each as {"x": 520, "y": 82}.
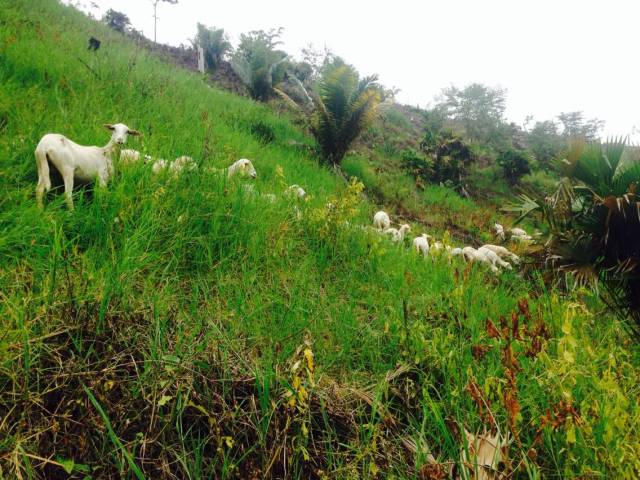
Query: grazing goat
{"x": 183, "y": 163}
{"x": 516, "y": 234}
{"x": 494, "y": 258}
{"x": 129, "y": 157}
{"x": 296, "y": 190}
{"x": 76, "y": 162}
{"x": 502, "y": 252}
{"x": 381, "y": 220}
{"x": 472, "y": 255}
{"x": 242, "y": 167}
{"x": 421, "y": 244}
{"x": 397, "y": 235}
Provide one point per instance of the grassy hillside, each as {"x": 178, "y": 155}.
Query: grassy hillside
{"x": 183, "y": 328}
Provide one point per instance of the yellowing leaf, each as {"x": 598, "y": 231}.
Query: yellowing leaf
{"x": 568, "y": 356}
{"x": 571, "y": 433}
{"x": 163, "y": 400}
{"x": 308, "y": 354}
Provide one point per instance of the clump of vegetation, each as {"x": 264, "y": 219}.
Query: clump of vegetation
{"x": 214, "y": 43}
{"x": 594, "y": 223}
{"x": 451, "y": 157}
{"x": 416, "y": 165}
{"x": 515, "y": 163}
{"x": 346, "y": 104}
{"x": 258, "y": 63}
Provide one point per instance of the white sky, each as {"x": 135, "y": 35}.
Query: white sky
{"x": 552, "y": 56}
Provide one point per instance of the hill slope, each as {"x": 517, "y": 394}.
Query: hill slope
{"x": 186, "y": 328}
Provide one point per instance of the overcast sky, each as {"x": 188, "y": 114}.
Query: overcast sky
{"x": 552, "y": 56}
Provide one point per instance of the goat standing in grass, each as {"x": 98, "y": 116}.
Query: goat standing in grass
{"x": 76, "y": 162}
{"x": 381, "y": 220}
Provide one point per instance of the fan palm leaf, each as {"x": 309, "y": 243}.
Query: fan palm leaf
{"x": 594, "y": 223}
{"x": 345, "y": 105}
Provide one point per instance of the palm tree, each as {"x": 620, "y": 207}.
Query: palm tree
{"x": 594, "y": 223}
{"x": 345, "y": 105}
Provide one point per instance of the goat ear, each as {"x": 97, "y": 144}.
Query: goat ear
{"x": 135, "y": 133}
{"x": 109, "y": 126}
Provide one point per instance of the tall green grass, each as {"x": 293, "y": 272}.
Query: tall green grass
{"x": 184, "y": 327}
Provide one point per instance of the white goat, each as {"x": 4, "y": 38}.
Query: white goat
{"x": 183, "y": 163}
{"x": 242, "y": 167}
{"x": 381, "y": 220}
{"x": 296, "y": 190}
{"x": 397, "y": 235}
{"x": 129, "y": 156}
{"x": 472, "y": 255}
{"x": 502, "y": 252}
{"x": 494, "y": 258}
{"x": 159, "y": 165}
{"x": 421, "y": 244}
{"x": 516, "y": 234}
{"x": 175, "y": 167}
{"x": 76, "y": 162}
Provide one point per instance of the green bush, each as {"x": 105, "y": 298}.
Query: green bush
{"x": 415, "y": 164}
{"x": 346, "y": 104}
{"x": 514, "y": 163}
{"x": 594, "y": 223}
{"x": 258, "y": 64}
{"x": 214, "y": 43}
{"x": 451, "y": 157}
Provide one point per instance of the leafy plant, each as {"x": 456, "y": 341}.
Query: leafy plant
{"x": 346, "y": 105}
{"x": 258, "y": 64}
{"x": 594, "y": 223}
{"x": 514, "y": 163}
{"x": 415, "y": 164}
{"x": 215, "y": 44}
{"x": 451, "y": 157}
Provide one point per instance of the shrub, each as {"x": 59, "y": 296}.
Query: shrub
{"x": 451, "y": 157}
{"x": 415, "y": 164}
{"x": 215, "y": 44}
{"x": 514, "y": 163}
{"x": 594, "y": 224}
{"x": 346, "y": 104}
{"x": 258, "y": 64}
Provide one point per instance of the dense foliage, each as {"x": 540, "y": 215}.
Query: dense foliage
{"x": 258, "y": 63}
{"x": 450, "y": 157}
{"x": 594, "y": 222}
{"x": 214, "y": 43}
{"x": 515, "y": 164}
{"x": 346, "y": 104}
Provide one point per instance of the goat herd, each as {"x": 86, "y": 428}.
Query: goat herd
{"x": 495, "y": 256}
{"x": 88, "y": 163}
{"x": 83, "y": 164}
